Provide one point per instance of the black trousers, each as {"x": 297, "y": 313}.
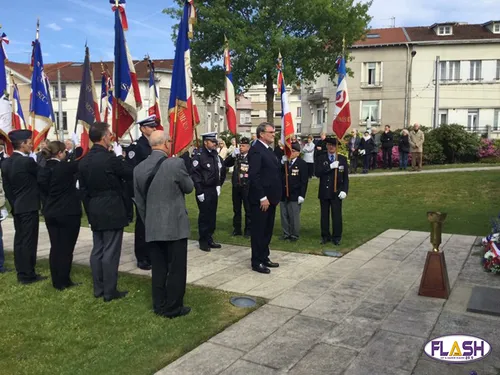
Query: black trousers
{"x": 25, "y": 244}
{"x": 240, "y": 197}
{"x": 354, "y": 162}
{"x": 387, "y": 157}
{"x": 208, "y": 215}
{"x": 333, "y": 207}
{"x": 169, "y": 273}
{"x": 262, "y": 232}
{"x": 141, "y": 247}
{"x": 63, "y": 233}
{"x": 366, "y": 162}
{"x": 310, "y": 170}
{"x": 373, "y": 160}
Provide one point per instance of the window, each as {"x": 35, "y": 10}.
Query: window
{"x": 255, "y": 114}
{"x": 443, "y": 117}
{"x": 445, "y": 30}
{"x": 245, "y": 118}
{"x": 372, "y": 72}
{"x": 63, "y": 92}
{"x": 496, "y": 120}
{"x": 370, "y": 111}
{"x": 475, "y": 70}
{"x": 299, "y": 111}
{"x": 320, "y": 114}
{"x": 496, "y": 28}
{"x": 372, "y": 36}
{"x": 472, "y": 119}
{"x": 65, "y": 120}
{"x": 450, "y": 71}
{"x": 498, "y": 70}
{"x": 277, "y": 114}
{"x": 299, "y": 127}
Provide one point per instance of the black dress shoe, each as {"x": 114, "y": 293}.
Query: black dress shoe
{"x": 73, "y": 284}
{"x": 284, "y": 238}
{"x": 236, "y": 233}
{"x": 116, "y": 295}
{"x": 36, "y": 279}
{"x": 324, "y": 240}
{"x": 261, "y": 268}
{"x": 204, "y": 246}
{"x": 144, "y": 266}
{"x": 247, "y": 234}
{"x": 336, "y": 241}
{"x": 271, "y": 264}
{"x": 99, "y": 295}
{"x": 214, "y": 245}
{"x": 182, "y": 312}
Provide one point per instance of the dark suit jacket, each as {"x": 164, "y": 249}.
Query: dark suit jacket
{"x": 57, "y": 185}
{"x": 327, "y": 177}
{"x": 19, "y": 175}
{"x": 263, "y": 174}
{"x": 298, "y": 179}
{"x": 102, "y": 176}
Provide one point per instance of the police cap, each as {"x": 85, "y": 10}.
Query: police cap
{"x": 209, "y": 137}
{"x": 149, "y": 122}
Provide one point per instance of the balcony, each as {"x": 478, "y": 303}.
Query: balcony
{"x": 317, "y": 95}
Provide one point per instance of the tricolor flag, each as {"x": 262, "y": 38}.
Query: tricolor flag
{"x": 18, "y": 121}
{"x": 287, "y": 130}
{"x": 5, "y": 106}
{"x": 127, "y": 97}
{"x": 182, "y": 110}
{"x": 154, "y": 108}
{"x": 88, "y": 109}
{"x": 230, "y": 96}
{"x": 3, "y": 59}
{"x": 41, "y": 111}
{"x": 106, "y": 103}
{"x": 342, "y": 113}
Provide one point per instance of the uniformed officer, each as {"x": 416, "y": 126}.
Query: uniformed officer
{"x": 19, "y": 173}
{"x": 239, "y": 160}
{"x": 331, "y": 200}
{"x": 208, "y": 174}
{"x": 136, "y": 153}
{"x": 291, "y": 203}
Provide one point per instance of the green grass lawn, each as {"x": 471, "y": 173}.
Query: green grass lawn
{"x": 376, "y": 204}
{"x": 45, "y": 331}
{"x": 436, "y": 166}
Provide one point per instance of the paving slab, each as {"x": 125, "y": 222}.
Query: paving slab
{"x": 241, "y": 367}
{"x": 354, "y": 332}
{"x": 324, "y": 359}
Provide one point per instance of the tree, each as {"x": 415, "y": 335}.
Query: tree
{"x": 309, "y": 34}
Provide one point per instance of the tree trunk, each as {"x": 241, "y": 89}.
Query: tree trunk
{"x": 270, "y": 97}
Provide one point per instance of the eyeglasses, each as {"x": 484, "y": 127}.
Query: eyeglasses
{"x": 271, "y": 132}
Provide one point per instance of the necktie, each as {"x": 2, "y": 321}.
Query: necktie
{"x": 332, "y": 158}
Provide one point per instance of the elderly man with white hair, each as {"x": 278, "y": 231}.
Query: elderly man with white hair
{"x": 417, "y": 139}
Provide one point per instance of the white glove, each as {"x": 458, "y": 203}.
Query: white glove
{"x": 33, "y": 155}
{"x": 201, "y": 198}
{"x": 4, "y": 214}
{"x": 117, "y": 149}
{"x": 236, "y": 152}
{"x": 218, "y": 190}
{"x": 301, "y": 200}
{"x": 342, "y": 195}
{"x": 284, "y": 159}
{"x": 334, "y": 165}
{"x": 77, "y": 185}
{"x": 362, "y": 152}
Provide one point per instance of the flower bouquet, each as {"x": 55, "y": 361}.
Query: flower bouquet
{"x": 491, "y": 244}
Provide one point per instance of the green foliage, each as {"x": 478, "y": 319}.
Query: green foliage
{"x": 433, "y": 150}
{"x": 226, "y": 136}
{"x": 458, "y": 144}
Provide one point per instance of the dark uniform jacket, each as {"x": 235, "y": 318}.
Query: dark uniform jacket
{"x": 367, "y": 145}
{"x": 353, "y": 146}
{"x": 387, "y": 139}
{"x": 138, "y": 151}
{"x": 19, "y": 175}
{"x": 207, "y": 171}
{"x": 101, "y": 180}
{"x": 264, "y": 174}
{"x": 298, "y": 179}
{"x": 326, "y": 177}
{"x": 57, "y": 184}
{"x": 240, "y": 172}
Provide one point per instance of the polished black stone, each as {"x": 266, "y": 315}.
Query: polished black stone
{"x": 485, "y": 301}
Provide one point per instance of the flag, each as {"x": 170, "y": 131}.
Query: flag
{"x": 5, "y": 106}
{"x": 342, "y": 113}
{"x": 106, "y": 103}
{"x": 183, "y": 114}
{"x": 127, "y": 97}
{"x": 41, "y": 111}
{"x": 88, "y": 109}
{"x": 154, "y": 108}
{"x": 3, "y": 59}
{"x": 230, "y": 96}
{"x": 18, "y": 121}
{"x": 287, "y": 130}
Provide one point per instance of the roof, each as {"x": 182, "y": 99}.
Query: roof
{"x": 72, "y": 71}
{"x": 460, "y": 32}
{"x": 386, "y": 36}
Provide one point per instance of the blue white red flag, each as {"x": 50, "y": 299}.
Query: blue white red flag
{"x": 18, "y": 121}
{"x": 287, "y": 129}
{"x": 106, "y": 102}
{"x": 342, "y": 112}
{"x": 154, "y": 107}
{"x": 5, "y": 106}
{"x": 127, "y": 97}
{"x": 41, "y": 111}
{"x": 182, "y": 111}
{"x": 3, "y": 59}
{"x": 230, "y": 95}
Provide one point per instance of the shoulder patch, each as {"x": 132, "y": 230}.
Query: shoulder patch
{"x": 195, "y": 163}
{"x": 131, "y": 154}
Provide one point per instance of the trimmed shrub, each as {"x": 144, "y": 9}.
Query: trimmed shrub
{"x": 458, "y": 144}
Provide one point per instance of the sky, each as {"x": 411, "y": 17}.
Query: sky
{"x": 65, "y": 25}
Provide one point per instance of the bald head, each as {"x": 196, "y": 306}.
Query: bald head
{"x": 159, "y": 140}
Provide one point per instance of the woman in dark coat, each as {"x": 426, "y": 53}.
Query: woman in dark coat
{"x": 366, "y": 146}
{"x": 404, "y": 149}
{"x": 62, "y": 209}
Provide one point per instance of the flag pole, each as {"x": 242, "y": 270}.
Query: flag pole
{"x": 280, "y": 60}
{"x": 338, "y": 140}
{"x": 117, "y": 116}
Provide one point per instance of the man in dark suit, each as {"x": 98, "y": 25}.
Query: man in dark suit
{"x": 101, "y": 181}
{"x": 136, "y": 153}
{"x": 19, "y": 174}
{"x": 329, "y": 197}
{"x": 291, "y": 203}
{"x": 160, "y": 185}
{"x": 387, "y": 140}
{"x": 264, "y": 195}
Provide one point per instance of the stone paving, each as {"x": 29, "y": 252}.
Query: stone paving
{"x": 360, "y": 314}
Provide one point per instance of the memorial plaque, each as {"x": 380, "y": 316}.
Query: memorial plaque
{"x": 485, "y": 301}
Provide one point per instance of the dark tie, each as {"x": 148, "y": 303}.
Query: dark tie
{"x": 332, "y": 158}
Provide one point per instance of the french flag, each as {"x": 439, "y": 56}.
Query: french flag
{"x": 106, "y": 102}
{"x": 18, "y": 121}
{"x": 127, "y": 97}
{"x": 230, "y": 96}
{"x": 342, "y": 112}
{"x": 5, "y": 106}
{"x": 154, "y": 108}
{"x": 287, "y": 129}
{"x": 182, "y": 111}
